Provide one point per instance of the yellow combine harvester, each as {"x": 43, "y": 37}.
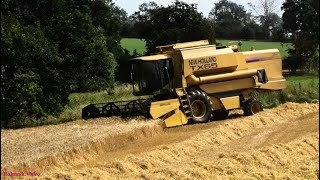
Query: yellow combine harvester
{"x": 195, "y": 82}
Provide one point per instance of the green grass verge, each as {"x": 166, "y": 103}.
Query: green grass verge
{"x": 301, "y": 89}
{"x": 131, "y": 43}
{"x": 77, "y": 101}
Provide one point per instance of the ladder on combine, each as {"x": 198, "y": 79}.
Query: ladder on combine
{"x": 185, "y": 102}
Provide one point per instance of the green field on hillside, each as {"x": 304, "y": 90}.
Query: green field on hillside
{"x": 130, "y": 44}
{"x": 138, "y": 44}
{"x": 260, "y": 45}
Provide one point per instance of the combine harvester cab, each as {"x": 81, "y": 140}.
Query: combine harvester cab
{"x": 196, "y": 82}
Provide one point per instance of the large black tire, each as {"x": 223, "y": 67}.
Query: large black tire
{"x": 201, "y": 106}
{"x": 251, "y": 107}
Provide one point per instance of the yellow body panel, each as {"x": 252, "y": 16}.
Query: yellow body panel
{"x": 177, "y": 119}
{"x": 225, "y": 86}
{"x": 161, "y": 108}
{"x": 208, "y": 60}
{"x": 231, "y": 102}
{"x": 216, "y": 103}
{"x": 170, "y": 110}
{"x": 271, "y": 61}
{"x": 242, "y": 65}
{"x": 273, "y": 85}
{"x": 273, "y": 68}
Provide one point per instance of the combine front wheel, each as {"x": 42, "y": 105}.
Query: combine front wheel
{"x": 201, "y": 106}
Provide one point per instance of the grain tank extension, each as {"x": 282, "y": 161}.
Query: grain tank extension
{"x": 195, "y": 82}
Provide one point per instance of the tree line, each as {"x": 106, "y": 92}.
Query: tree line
{"x": 227, "y": 20}
{"x": 50, "y": 49}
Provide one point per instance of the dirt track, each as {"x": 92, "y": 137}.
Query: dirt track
{"x": 280, "y": 143}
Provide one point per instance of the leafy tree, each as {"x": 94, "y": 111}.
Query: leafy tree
{"x": 229, "y": 18}
{"x": 128, "y": 29}
{"x": 301, "y": 18}
{"x": 266, "y": 14}
{"x": 30, "y": 81}
{"x": 88, "y": 63}
{"x": 247, "y": 33}
{"x": 53, "y": 48}
{"x": 178, "y": 22}
{"x": 112, "y": 20}
{"x": 256, "y": 31}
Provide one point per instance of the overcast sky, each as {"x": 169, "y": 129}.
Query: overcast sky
{"x": 204, "y": 6}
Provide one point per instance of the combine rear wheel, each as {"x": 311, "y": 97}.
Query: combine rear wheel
{"x": 251, "y": 107}
{"x": 201, "y": 106}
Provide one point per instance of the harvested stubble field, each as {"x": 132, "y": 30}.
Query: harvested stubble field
{"x": 279, "y": 143}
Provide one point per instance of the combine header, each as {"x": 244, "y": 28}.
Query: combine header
{"x": 120, "y": 108}
{"x": 196, "y": 82}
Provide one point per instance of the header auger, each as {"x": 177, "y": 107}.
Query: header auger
{"x": 196, "y": 82}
